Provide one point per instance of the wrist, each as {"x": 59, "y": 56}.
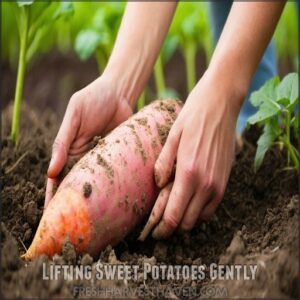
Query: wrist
{"x": 230, "y": 86}
{"x": 130, "y": 73}
{"x": 120, "y": 82}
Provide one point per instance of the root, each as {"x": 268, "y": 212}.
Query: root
{"x": 22, "y": 244}
{"x": 9, "y": 170}
{"x": 229, "y": 214}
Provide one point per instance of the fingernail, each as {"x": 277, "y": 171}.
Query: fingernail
{"x": 51, "y": 164}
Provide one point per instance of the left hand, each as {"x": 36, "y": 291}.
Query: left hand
{"x": 202, "y": 142}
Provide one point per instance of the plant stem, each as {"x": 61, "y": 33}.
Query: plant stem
{"x": 190, "y": 52}
{"x": 288, "y": 133}
{"x": 141, "y": 101}
{"x": 159, "y": 77}
{"x": 291, "y": 152}
{"x": 20, "y": 77}
{"x": 293, "y": 155}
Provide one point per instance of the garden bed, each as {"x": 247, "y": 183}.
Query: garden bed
{"x": 257, "y": 222}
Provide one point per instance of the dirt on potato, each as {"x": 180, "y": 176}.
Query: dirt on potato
{"x": 256, "y": 223}
{"x": 108, "y": 168}
{"x": 87, "y": 189}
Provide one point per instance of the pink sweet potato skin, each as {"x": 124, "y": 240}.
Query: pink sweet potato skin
{"x": 116, "y": 177}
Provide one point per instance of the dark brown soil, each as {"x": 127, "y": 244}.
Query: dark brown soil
{"x": 257, "y": 222}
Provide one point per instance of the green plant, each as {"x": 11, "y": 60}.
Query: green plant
{"x": 33, "y": 21}
{"x": 191, "y": 27}
{"x": 286, "y": 35}
{"x": 169, "y": 47}
{"x": 99, "y": 36}
{"x": 277, "y": 102}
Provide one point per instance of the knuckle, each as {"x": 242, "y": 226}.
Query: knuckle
{"x": 189, "y": 171}
{"x": 75, "y": 97}
{"x": 74, "y": 105}
{"x": 187, "y": 225}
{"x": 171, "y": 221}
{"x": 208, "y": 184}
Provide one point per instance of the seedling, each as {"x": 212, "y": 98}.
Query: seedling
{"x": 278, "y": 114}
{"x": 286, "y": 35}
{"x": 169, "y": 47}
{"x": 34, "y": 19}
{"x": 192, "y": 30}
{"x": 99, "y": 36}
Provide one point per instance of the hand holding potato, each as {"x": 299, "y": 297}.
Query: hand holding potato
{"x": 92, "y": 111}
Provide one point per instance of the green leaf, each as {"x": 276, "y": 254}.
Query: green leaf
{"x": 23, "y": 3}
{"x": 284, "y": 101}
{"x": 169, "y": 93}
{"x": 266, "y": 93}
{"x": 36, "y": 43}
{"x": 169, "y": 47}
{"x": 87, "y": 41}
{"x": 188, "y": 27}
{"x": 263, "y": 144}
{"x": 65, "y": 9}
{"x": 99, "y": 19}
{"x": 267, "y": 110}
{"x": 289, "y": 88}
{"x": 38, "y": 10}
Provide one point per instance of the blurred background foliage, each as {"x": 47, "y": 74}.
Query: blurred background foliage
{"x": 91, "y": 29}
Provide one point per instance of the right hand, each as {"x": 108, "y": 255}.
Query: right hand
{"x": 94, "y": 110}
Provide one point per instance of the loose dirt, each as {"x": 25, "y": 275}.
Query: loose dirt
{"x": 256, "y": 223}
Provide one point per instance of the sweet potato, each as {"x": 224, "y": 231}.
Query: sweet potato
{"x": 110, "y": 189}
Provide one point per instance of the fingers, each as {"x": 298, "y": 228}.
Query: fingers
{"x": 63, "y": 140}
{"x": 157, "y": 211}
{"x": 58, "y": 159}
{"x": 194, "y": 209}
{"x": 210, "y": 208}
{"x": 180, "y": 196}
{"x": 164, "y": 165}
{"x": 51, "y": 187}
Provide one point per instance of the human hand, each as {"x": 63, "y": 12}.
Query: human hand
{"x": 94, "y": 110}
{"x": 202, "y": 142}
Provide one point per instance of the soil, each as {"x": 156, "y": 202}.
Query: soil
{"x": 256, "y": 223}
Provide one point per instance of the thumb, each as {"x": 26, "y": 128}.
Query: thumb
{"x": 62, "y": 144}
{"x": 164, "y": 165}
{"x": 58, "y": 159}
{"x": 51, "y": 187}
